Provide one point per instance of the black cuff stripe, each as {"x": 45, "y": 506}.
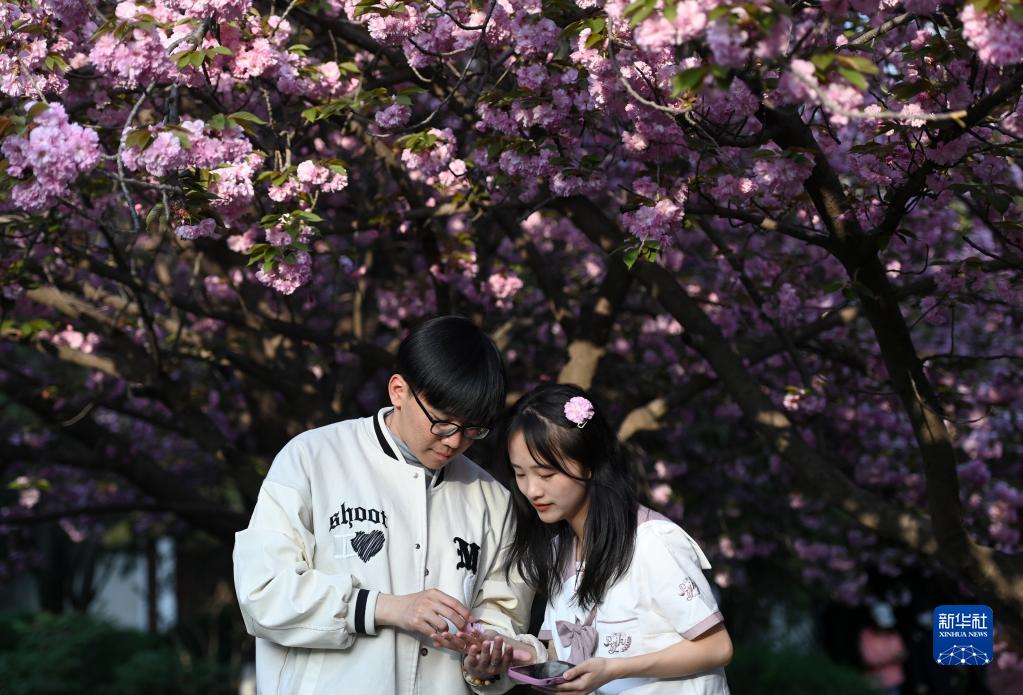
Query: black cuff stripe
{"x": 360, "y": 611}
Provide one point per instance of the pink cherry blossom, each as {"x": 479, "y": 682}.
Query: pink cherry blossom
{"x": 288, "y": 277}
{"x": 49, "y": 158}
{"x": 394, "y": 116}
{"x": 205, "y": 228}
{"x": 997, "y": 38}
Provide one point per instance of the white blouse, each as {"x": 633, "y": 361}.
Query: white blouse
{"x": 661, "y": 600}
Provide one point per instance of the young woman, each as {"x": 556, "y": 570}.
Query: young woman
{"x": 627, "y": 601}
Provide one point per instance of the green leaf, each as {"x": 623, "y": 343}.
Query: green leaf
{"x": 630, "y": 256}
{"x": 870, "y": 147}
{"x": 688, "y": 80}
{"x": 639, "y": 10}
{"x": 107, "y": 26}
{"x": 186, "y": 142}
{"x": 247, "y": 117}
{"x": 907, "y": 90}
{"x": 574, "y": 28}
{"x": 1000, "y": 201}
{"x": 854, "y": 78}
{"x": 641, "y": 15}
{"x": 860, "y": 64}
{"x": 722, "y": 75}
{"x": 55, "y": 62}
{"x": 258, "y": 252}
{"x": 139, "y": 139}
{"x": 154, "y": 215}
{"x": 195, "y": 59}
{"x": 37, "y": 108}
{"x": 217, "y": 122}
{"x": 988, "y": 6}
{"x": 299, "y": 48}
{"x": 221, "y": 51}
{"x": 822, "y": 61}
{"x": 181, "y": 58}
{"x": 417, "y": 142}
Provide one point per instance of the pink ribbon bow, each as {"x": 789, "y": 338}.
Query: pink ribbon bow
{"x": 581, "y": 639}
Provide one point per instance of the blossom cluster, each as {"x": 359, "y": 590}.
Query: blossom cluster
{"x": 49, "y": 157}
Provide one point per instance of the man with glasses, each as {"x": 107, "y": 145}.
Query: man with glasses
{"x": 373, "y": 536}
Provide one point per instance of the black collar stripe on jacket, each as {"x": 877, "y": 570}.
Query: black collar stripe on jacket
{"x": 438, "y": 477}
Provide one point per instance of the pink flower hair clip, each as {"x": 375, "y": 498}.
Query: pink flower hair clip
{"x": 472, "y": 633}
{"x": 579, "y": 410}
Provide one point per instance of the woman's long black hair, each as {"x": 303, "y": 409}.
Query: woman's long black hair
{"x": 541, "y": 551}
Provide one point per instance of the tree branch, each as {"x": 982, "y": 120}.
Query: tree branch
{"x": 916, "y": 182}
{"x": 990, "y": 573}
{"x": 98, "y": 448}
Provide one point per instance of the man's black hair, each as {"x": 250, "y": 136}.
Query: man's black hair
{"x": 453, "y": 365}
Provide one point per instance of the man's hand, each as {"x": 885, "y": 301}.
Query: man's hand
{"x": 586, "y": 677}
{"x": 423, "y": 613}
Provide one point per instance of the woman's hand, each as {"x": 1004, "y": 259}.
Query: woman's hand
{"x": 495, "y": 654}
{"x": 488, "y": 659}
{"x": 586, "y": 677}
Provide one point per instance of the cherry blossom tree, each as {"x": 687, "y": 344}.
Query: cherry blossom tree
{"x": 782, "y": 240}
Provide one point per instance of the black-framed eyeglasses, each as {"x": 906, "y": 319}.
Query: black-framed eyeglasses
{"x": 443, "y": 428}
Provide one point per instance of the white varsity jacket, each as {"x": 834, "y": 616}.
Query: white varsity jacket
{"x": 342, "y": 517}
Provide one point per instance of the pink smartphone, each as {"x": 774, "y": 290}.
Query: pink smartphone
{"x": 547, "y": 673}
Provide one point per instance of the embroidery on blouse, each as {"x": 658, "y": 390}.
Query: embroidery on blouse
{"x": 617, "y": 642}
{"x": 689, "y": 589}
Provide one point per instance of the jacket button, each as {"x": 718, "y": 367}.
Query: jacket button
{"x": 424, "y": 651}
{"x": 418, "y": 546}
{"x": 427, "y": 572}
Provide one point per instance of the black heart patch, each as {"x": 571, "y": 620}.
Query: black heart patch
{"x": 366, "y": 545}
